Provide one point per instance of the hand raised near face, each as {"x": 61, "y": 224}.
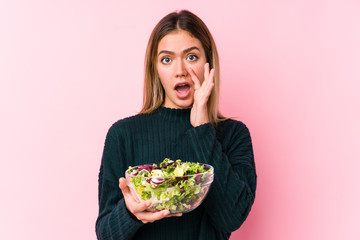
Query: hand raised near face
{"x": 199, "y": 112}
{"x": 139, "y": 210}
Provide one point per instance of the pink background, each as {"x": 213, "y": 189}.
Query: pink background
{"x": 290, "y": 71}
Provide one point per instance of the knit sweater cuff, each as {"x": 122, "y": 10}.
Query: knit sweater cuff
{"x": 129, "y": 223}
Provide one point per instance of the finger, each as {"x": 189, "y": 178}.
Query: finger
{"x": 212, "y": 74}
{"x": 195, "y": 79}
{"x": 209, "y": 82}
{"x": 174, "y": 215}
{"x": 209, "y": 78}
{"x": 152, "y": 216}
{"x": 206, "y": 71}
{"x": 140, "y": 207}
{"x": 209, "y": 90}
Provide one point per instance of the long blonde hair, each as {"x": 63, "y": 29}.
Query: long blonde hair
{"x": 154, "y": 93}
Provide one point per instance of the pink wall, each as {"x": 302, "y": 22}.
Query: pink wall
{"x": 290, "y": 71}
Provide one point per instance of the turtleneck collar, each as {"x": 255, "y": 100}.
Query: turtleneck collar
{"x": 176, "y": 114}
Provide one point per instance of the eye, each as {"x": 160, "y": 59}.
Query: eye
{"x": 192, "y": 57}
{"x": 166, "y": 60}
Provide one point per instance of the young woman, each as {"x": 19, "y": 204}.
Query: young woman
{"x": 179, "y": 120}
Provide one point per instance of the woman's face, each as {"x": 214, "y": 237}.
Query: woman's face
{"x": 177, "y": 52}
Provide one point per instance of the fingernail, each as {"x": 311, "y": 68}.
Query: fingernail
{"x": 148, "y": 203}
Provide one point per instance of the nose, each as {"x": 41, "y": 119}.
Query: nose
{"x": 180, "y": 70}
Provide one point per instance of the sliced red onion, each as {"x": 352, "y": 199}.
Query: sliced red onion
{"x": 198, "y": 178}
{"x": 148, "y": 168}
{"x": 156, "y": 181}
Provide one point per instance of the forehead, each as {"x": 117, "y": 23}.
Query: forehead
{"x": 178, "y": 41}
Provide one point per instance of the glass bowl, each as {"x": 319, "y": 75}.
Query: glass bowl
{"x": 178, "y": 194}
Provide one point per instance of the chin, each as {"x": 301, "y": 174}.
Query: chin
{"x": 184, "y": 104}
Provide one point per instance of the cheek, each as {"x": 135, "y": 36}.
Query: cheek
{"x": 164, "y": 78}
{"x": 163, "y": 73}
{"x": 163, "y": 82}
{"x": 160, "y": 74}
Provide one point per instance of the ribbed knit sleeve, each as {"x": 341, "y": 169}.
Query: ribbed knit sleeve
{"x": 233, "y": 191}
{"x": 114, "y": 220}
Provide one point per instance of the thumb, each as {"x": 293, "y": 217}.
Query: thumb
{"x": 123, "y": 186}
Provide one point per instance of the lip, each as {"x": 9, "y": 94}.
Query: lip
{"x": 180, "y": 83}
{"x": 182, "y": 94}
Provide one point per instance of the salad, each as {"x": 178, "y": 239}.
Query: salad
{"x": 173, "y": 185}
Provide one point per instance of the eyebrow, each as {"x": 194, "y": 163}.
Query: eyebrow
{"x": 185, "y": 51}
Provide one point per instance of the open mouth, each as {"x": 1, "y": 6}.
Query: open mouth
{"x": 182, "y": 90}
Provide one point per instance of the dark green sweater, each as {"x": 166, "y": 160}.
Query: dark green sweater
{"x": 168, "y": 133}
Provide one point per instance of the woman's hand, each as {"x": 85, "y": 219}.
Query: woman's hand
{"x": 139, "y": 209}
{"x": 199, "y": 112}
